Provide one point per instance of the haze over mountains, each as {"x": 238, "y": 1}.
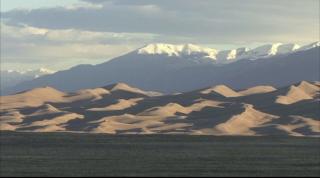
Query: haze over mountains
{"x": 10, "y": 78}
{"x": 122, "y": 109}
{"x": 171, "y": 68}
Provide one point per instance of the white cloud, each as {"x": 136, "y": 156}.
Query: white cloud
{"x": 206, "y": 21}
{"x": 83, "y": 5}
{"x": 39, "y": 45}
{"x": 101, "y": 29}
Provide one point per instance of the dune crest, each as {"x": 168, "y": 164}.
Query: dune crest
{"x": 303, "y": 91}
{"x": 121, "y": 109}
{"x": 31, "y": 98}
{"x": 46, "y": 109}
{"x": 257, "y": 90}
{"x": 168, "y": 110}
{"x": 126, "y": 88}
{"x": 311, "y": 89}
{"x": 243, "y": 123}
{"x": 222, "y": 90}
{"x": 96, "y": 93}
{"x": 299, "y": 124}
{"x": 56, "y": 121}
{"x": 120, "y": 105}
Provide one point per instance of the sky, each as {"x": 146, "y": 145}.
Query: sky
{"x": 58, "y": 34}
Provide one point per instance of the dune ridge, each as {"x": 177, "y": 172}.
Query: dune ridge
{"x": 122, "y": 109}
{"x": 241, "y": 124}
{"x": 296, "y": 93}
{"x": 257, "y": 90}
{"x": 222, "y": 90}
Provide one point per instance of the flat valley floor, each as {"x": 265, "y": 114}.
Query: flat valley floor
{"x": 75, "y": 154}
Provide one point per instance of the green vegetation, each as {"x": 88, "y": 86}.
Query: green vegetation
{"x": 69, "y": 154}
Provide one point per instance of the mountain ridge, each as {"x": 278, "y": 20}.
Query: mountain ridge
{"x": 172, "y": 74}
{"x": 10, "y": 78}
{"x": 222, "y": 56}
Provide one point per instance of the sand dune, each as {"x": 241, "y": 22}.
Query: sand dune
{"x": 316, "y": 83}
{"x": 31, "y": 98}
{"x": 311, "y": 89}
{"x": 222, "y": 90}
{"x": 120, "y": 105}
{"x": 303, "y": 91}
{"x": 257, "y": 90}
{"x": 51, "y": 124}
{"x": 8, "y": 127}
{"x": 122, "y": 109}
{"x": 243, "y": 123}
{"x": 298, "y": 125}
{"x": 137, "y": 124}
{"x": 126, "y": 124}
{"x": 46, "y": 109}
{"x": 202, "y": 103}
{"x": 168, "y": 110}
{"x": 124, "y": 87}
{"x": 94, "y": 94}
{"x": 12, "y": 117}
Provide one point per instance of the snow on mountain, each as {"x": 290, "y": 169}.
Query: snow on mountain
{"x": 204, "y": 54}
{"x": 39, "y": 72}
{"x": 309, "y": 46}
{"x": 10, "y": 78}
{"x": 269, "y": 50}
{"x": 169, "y": 68}
{"x": 188, "y": 51}
{"x": 227, "y": 56}
{"x": 287, "y": 48}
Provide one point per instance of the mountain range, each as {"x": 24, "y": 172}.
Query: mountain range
{"x": 169, "y": 68}
{"x": 10, "y": 78}
{"x": 123, "y": 109}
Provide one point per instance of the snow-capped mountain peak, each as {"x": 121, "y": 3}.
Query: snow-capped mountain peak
{"x": 159, "y": 48}
{"x": 269, "y": 50}
{"x": 309, "y": 46}
{"x": 204, "y": 54}
{"x": 227, "y": 56}
{"x": 178, "y": 50}
{"x": 172, "y": 73}
{"x": 264, "y": 50}
{"x": 287, "y": 48}
{"x": 47, "y": 71}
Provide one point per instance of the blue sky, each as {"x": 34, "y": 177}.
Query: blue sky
{"x": 62, "y": 33}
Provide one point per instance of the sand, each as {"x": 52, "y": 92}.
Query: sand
{"x": 243, "y": 123}
{"x": 222, "y": 90}
{"x": 303, "y": 91}
{"x": 122, "y": 109}
{"x": 257, "y": 90}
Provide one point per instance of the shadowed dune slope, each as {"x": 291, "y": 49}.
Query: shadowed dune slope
{"x": 302, "y": 91}
{"x": 122, "y": 109}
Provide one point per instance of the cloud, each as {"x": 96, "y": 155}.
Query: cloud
{"x": 72, "y": 35}
{"x": 207, "y": 20}
{"x": 25, "y": 44}
{"x": 39, "y": 45}
{"x": 84, "y": 5}
{"x": 93, "y": 31}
